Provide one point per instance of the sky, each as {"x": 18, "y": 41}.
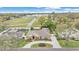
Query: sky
{"x": 38, "y": 9}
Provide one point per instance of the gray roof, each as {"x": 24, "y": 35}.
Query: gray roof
{"x": 44, "y": 32}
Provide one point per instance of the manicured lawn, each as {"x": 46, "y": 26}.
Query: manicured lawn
{"x": 69, "y": 44}
{"x": 37, "y": 46}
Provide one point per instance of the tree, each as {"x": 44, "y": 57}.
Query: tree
{"x": 51, "y": 25}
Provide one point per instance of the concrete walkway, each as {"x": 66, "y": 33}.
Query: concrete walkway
{"x": 55, "y": 42}
{"x": 35, "y": 42}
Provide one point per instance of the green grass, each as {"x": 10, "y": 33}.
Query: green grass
{"x": 22, "y": 43}
{"x": 69, "y": 44}
{"x": 37, "y": 46}
{"x": 36, "y": 24}
{"x": 1, "y": 30}
{"x": 19, "y": 22}
{"x": 26, "y": 32}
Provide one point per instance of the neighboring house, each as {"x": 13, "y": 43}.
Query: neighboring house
{"x": 39, "y": 34}
{"x": 70, "y": 33}
{"x": 15, "y": 33}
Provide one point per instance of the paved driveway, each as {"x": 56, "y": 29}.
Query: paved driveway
{"x": 35, "y": 42}
{"x": 55, "y": 42}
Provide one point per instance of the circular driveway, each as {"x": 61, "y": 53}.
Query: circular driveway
{"x": 35, "y": 42}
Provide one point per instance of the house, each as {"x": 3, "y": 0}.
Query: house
{"x": 15, "y": 33}
{"x": 39, "y": 34}
{"x": 70, "y": 33}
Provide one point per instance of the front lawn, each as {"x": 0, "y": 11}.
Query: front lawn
{"x": 69, "y": 44}
{"x": 22, "y": 43}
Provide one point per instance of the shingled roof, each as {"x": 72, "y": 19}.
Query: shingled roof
{"x": 43, "y": 33}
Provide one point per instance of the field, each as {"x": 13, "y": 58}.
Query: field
{"x": 40, "y": 21}
{"x": 19, "y": 22}
{"x": 36, "y": 24}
